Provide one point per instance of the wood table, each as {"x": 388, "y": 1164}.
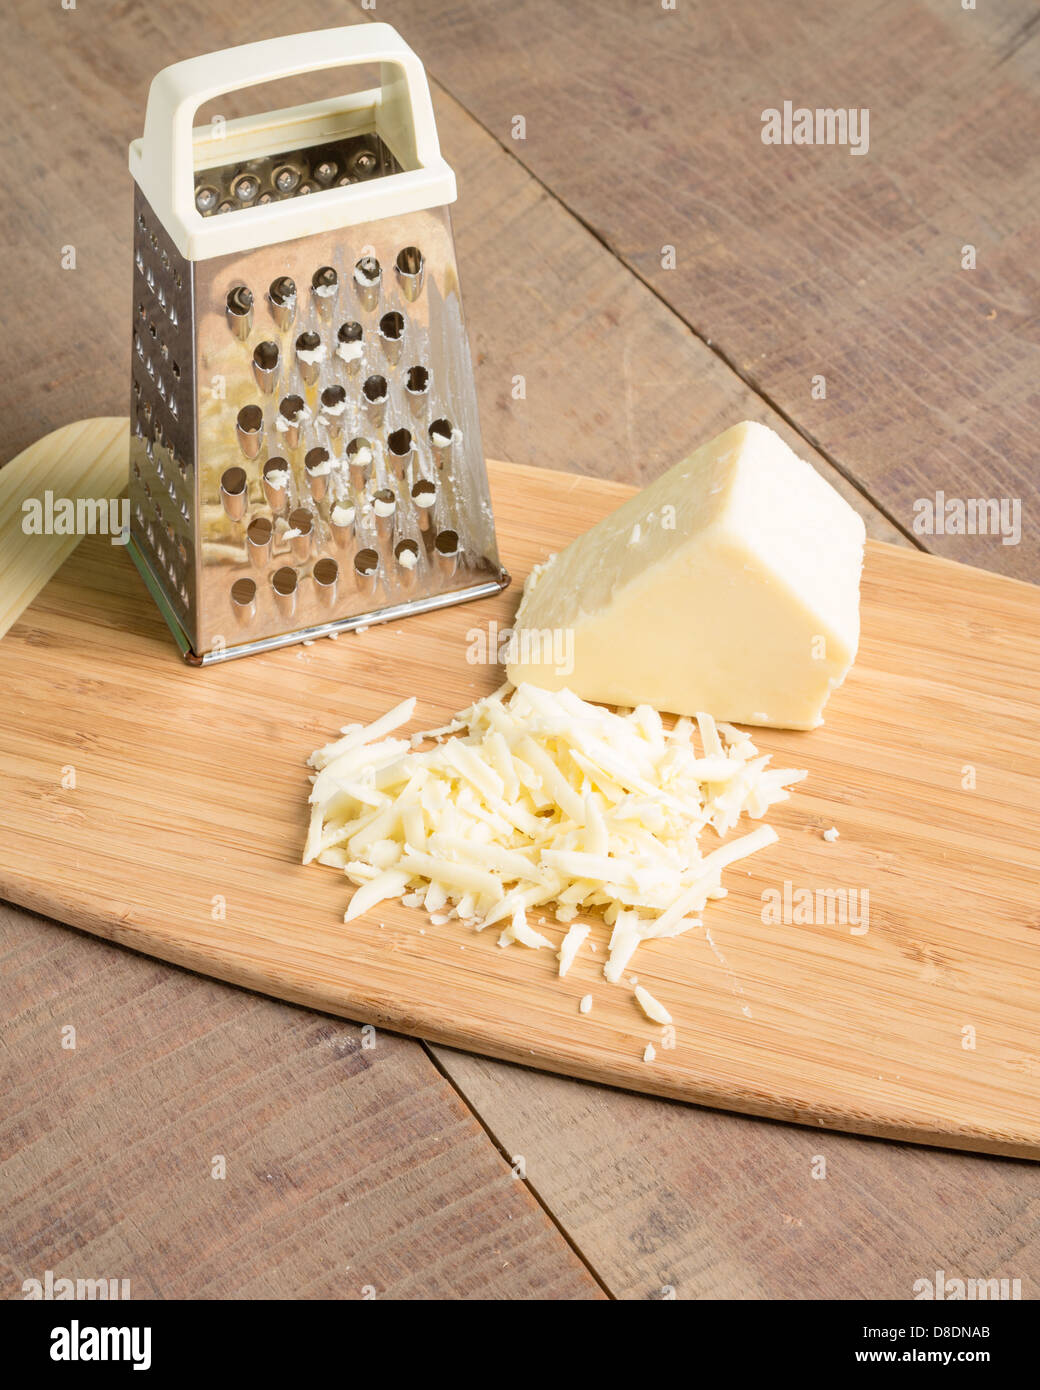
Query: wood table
{"x": 653, "y": 272}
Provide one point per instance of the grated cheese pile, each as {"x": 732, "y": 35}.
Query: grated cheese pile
{"x": 530, "y": 797}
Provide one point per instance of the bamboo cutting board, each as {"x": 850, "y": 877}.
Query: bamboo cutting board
{"x": 164, "y": 807}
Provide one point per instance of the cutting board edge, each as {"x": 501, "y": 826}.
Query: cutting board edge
{"x": 343, "y": 1001}
{"x": 355, "y": 1009}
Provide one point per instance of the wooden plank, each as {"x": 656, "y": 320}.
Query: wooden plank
{"x": 352, "y": 1169}
{"x": 795, "y": 261}
{"x": 543, "y": 300}
{"x": 102, "y": 71}
{"x": 814, "y": 1021}
{"x": 669, "y": 1201}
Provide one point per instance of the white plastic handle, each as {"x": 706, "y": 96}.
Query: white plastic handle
{"x": 163, "y": 162}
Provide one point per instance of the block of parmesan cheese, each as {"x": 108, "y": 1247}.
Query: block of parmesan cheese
{"x": 730, "y": 585}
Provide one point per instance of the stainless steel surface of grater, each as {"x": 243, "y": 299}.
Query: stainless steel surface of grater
{"x": 305, "y": 453}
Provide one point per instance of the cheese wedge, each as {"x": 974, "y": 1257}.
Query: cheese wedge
{"x": 731, "y": 585}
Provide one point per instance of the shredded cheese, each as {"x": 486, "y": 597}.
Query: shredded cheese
{"x": 656, "y": 1012}
{"x": 533, "y": 797}
{"x": 571, "y": 944}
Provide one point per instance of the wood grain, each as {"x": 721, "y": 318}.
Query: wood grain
{"x": 352, "y": 1169}
{"x": 813, "y": 1022}
{"x": 800, "y": 261}
{"x": 72, "y": 145}
{"x": 544, "y": 301}
{"x": 668, "y": 1201}
{"x": 82, "y": 462}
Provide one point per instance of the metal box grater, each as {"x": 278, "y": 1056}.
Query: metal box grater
{"x": 305, "y": 451}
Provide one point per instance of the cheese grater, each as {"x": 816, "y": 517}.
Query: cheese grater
{"x": 305, "y": 450}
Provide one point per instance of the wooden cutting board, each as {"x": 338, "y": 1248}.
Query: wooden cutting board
{"x": 164, "y": 807}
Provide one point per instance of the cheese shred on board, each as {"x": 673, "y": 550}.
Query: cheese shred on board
{"x": 533, "y": 797}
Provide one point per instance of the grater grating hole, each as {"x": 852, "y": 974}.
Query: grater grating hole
{"x": 275, "y": 479}
{"x": 406, "y": 553}
{"x": 245, "y": 187}
{"x": 285, "y": 582}
{"x": 326, "y": 578}
{"x": 233, "y": 492}
{"x": 309, "y": 354}
{"x": 350, "y": 347}
{"x": 315, "y": 464}
{"x": 249, "y": 430}
{"x": 401, "y": 447}
{"x": 384, "y": 505}
{"x": 243, "y": 599}
{"x": 410, "y": 260}
{"x": 410, "y": 267}
{"x": 259, "y": 534}
{"x": 281, "y": 295}
{"x": 442, "y": 438}
{"x": 360, "y": 457}
{"x": 446, "y": 552}
{"x": 267, "y": 365}
{"x": 417, "y": 386}
{"x": 368, "y": 275}
{"x": 391, "y": 325}
{"x": 240, "y": 310}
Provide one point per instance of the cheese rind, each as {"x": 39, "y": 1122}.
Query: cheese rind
{"x": 731, "y": 584}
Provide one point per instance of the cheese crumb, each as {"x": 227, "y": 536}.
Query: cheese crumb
{"x": 518, "y": 930}
{"x": 831, "y": 834}
{"x": 649, "y": 1052}
{"x": 585, "y": 1004}
{"x": 570, "y": 946}
{"x": 654, "y": 1011}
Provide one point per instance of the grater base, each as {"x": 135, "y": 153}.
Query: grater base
{"x": 426, "y": 604}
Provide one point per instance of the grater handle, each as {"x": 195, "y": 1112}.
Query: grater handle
{"x": 163, "y": 162}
